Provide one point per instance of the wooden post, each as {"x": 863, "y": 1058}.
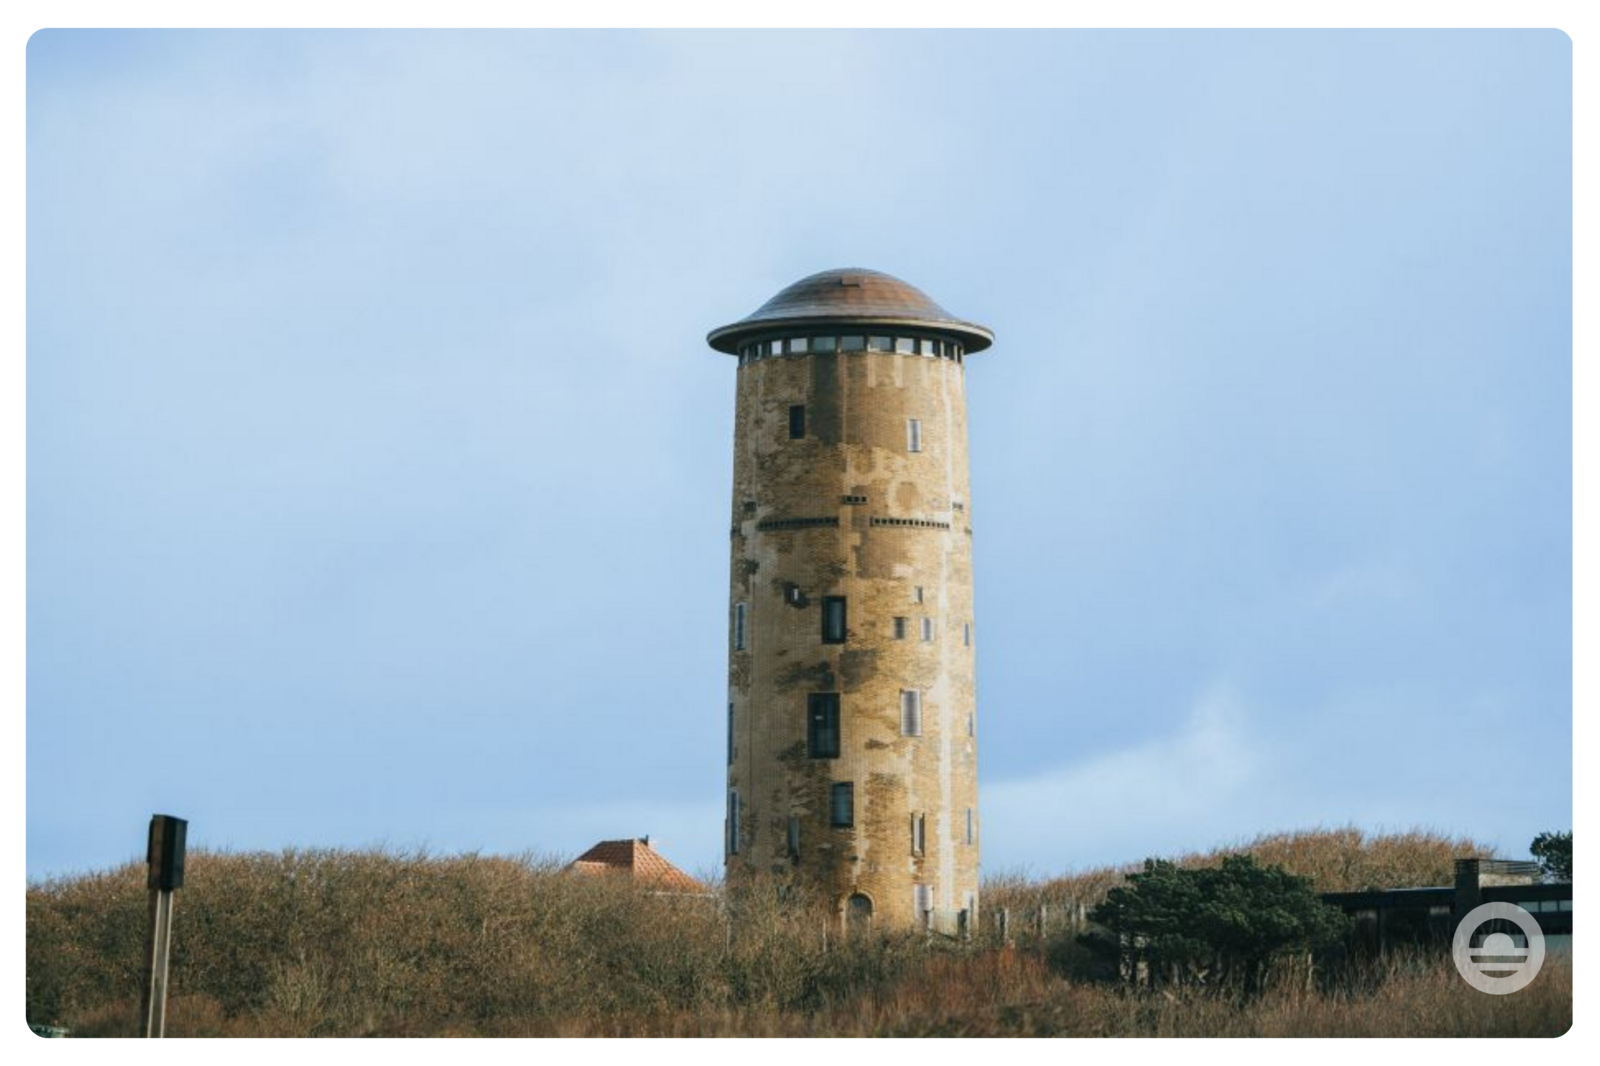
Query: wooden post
{"x": 1005, "y": 926}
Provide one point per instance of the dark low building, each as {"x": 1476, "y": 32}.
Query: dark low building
{"x": 1398, "y": 917}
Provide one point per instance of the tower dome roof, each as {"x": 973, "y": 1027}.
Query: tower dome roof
{"x": 849, "y": 296}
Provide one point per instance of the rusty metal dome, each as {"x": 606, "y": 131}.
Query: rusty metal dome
{"x": 849, "y": 297}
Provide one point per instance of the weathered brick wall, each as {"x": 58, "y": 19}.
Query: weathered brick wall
{"x": 857, "y": 407}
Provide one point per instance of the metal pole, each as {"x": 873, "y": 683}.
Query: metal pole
{"x": 158, "y": 957}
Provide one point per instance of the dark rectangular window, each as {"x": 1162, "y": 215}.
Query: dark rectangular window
{"x": 794, "y": 837}
{"x": 842, "y": 809}
{"x": 738, "y": 627}
{"x": 833, "y": 620}
{"x": 919, "y": 827}
{"x": 730, "y": 734}
{"x": 733, "y": 821}
{"x": 822, "y": 725}
{"x": 899, "y": 628}
{"x": 797, "y": 421}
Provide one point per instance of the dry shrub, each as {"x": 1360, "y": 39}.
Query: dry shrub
{"x": 1337, "y": 860}
{"x": 325, "y": 943}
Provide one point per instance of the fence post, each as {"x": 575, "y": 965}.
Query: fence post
{"x": 1044, "y": 919}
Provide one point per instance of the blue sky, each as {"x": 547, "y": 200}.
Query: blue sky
{"x": 377, "y": 465}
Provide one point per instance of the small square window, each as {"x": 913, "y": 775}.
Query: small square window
{"x": 905, "y": 345}
{"x": 852, "y": 344}
{"x": 824, "y": 344}
{"x": 927, "y": 347}
{"x": 880, "y": 344}
{"x": 799, "y": 344}
{"x": 775, "y": 347}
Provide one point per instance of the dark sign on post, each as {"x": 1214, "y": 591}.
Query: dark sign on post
{"x": 165, "y": 856}
{"x": 166, "y": 851}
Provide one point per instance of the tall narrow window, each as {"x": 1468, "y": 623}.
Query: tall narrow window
{"x": 916, "y": 594}
{"x": 899, "y": 628}
{"x": 919, "y": 835}
{"x": 733, "y": 821}
{"x": 971, "y": 833}
{"x": 730, "y": 734}
{"x": 738, "y": 627}
{"x": 927, "y": 630}
{"x": 794, "y": 838}
{"x": 966, "y": 634}
{"x": 842, "y": 808}
{"x": 913, "y": 434}
{"x": 833, "y": 620}
{"x": 797, "y": 421}
{"x": 922, "y": 903}
{"x": 910, "y": 712}
{"x": 822, "y": 725}
{"x": 972, "y": 725}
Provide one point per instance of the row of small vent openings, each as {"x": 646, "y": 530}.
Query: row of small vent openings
{"x": 767, "y": 525}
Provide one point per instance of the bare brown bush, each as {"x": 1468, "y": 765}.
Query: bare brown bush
{"x": 324, "y": 943}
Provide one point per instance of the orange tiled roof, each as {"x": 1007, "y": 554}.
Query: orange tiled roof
{"x": 638, "y": 859}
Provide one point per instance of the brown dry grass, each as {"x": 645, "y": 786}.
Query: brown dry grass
{"x": 1337, "y": 860}
{"x": 323, "y": 943}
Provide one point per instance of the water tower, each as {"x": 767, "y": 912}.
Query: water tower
{"x": 852, "y": 717}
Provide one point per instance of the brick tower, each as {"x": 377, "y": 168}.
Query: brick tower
{"x": 852, "y": 723}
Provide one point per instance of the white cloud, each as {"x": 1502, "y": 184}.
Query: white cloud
{"x": 1165, "y": 795}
